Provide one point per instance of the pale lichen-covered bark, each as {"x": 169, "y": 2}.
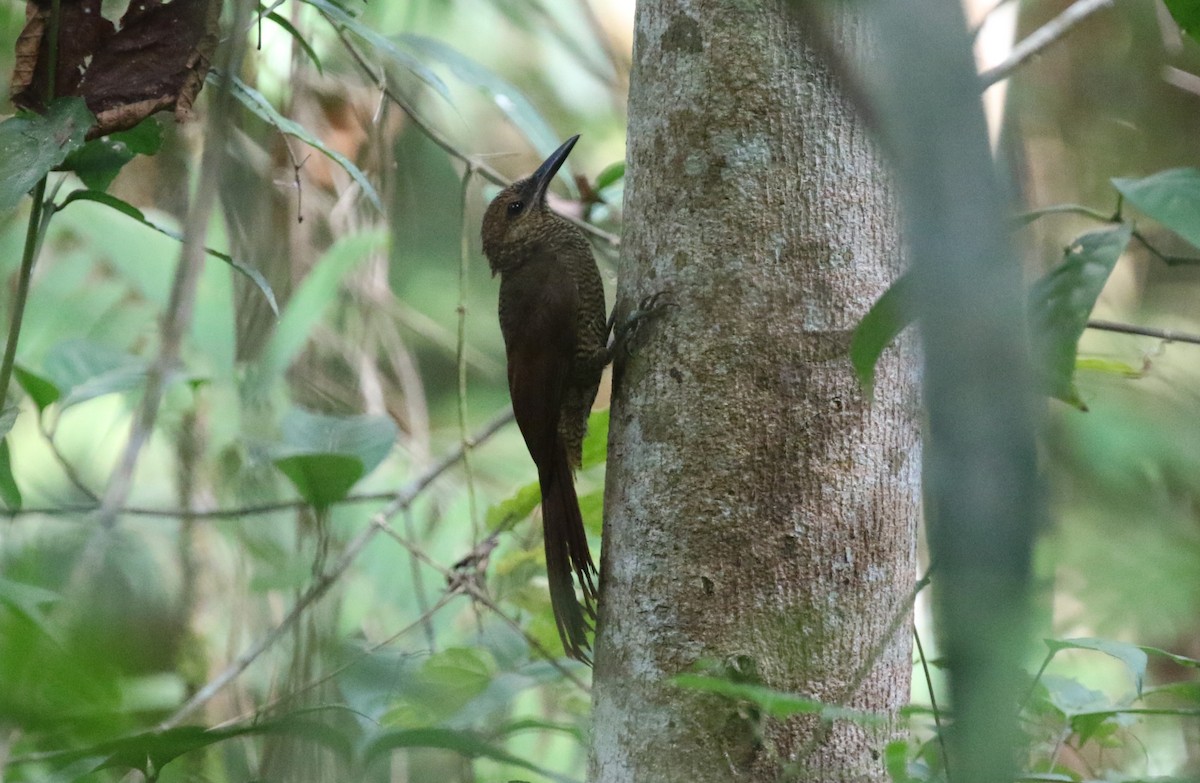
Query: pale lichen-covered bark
{"x": 760, "y": 512}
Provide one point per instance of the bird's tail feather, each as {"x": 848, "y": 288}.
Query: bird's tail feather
{"x": 568, "y": 558}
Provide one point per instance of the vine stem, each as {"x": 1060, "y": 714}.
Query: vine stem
{"x": 28, "y": 257}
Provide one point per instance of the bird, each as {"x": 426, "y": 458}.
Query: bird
{"x": 553, "y": 318}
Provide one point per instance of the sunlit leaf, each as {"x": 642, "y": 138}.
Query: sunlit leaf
{"x": 10, "y": 493}
{"x": 510, "y": 100}
{"x": 595, "y": 443}
{"x": 1070, "y": 697}
{"x": 1131, "y": 655}
{"x": 775, "y": 703}
{"x": 300, "y": 40}
{"x": 1186, "y": 14}
{"x": 882, "y": 324}
{"x": 383, "y": 45}
{"x": 253, "y": 100}
{"x": 99, "y": 161}
{"x": 40, "y": 390}
{"x": 33, "y": 144}
{"x": 129, "y": 210}
{"x": 1108, "y": 367}
{"x": 321, "y": 479}
{"x": 1182, "y": 660}
{"x": 1171, "y": 197}
{"x": 1061, "y": 302}
{"x": 369, "y": 438}
{"x": 307, "y": 305}
{"x": 509, "y": 512}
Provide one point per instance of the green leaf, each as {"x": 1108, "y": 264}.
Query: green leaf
{"x": 778, "y": 704}
{"x": 33, "y": 144}
{"x": 129, "y": 210}
{"x": 298, "y": 38}
{"x": 1182, "y": 660}
{"x": 40, "y": 390}
{"x": 595, "y": 443}
{"x": 895, "y": 761}
{"x": 367, "y": 438}
{"x": 1131, "y": 655}
{"x": 464, "y": 743}
{"x": 83, "y": 370}
{"x": 507, "y": 513}
{"x": 1061, "y": 302}
{"x": 254, "y": 101}
{"x": 511, "y": 101}
{"x": 1171, "y": 197}
{"x": 1186, "y": 14}
{"x": 383, "y": 45}
{"x": 882, "y": 324}
{"x": 99, "y": 161}
{"x": 612, "y": 174}
{"x": 10, "y": 493}
{"x": 27, "y": 601}
{"x": 321, "y": 479}
{"x": 1108, "y": 366}
{"x": 308, "y": 303}
{"x": 591, "y": 506}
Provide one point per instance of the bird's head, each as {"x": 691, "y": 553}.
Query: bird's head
{"x": 518, "y": 218}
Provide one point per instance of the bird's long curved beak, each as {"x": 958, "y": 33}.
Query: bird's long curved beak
{"x": 550, "y": 166}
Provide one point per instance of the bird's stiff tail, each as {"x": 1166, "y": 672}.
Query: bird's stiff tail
{"x": 567, "y": 554}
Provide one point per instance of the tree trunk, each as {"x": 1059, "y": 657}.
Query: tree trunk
{"x": 760, "y": 511}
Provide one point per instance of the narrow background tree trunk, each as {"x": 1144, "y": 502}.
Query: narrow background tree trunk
{"x": 760, "y": 512}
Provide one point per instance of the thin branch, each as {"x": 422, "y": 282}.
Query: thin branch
{"x": 1043, "y": 37}
{"x": 178, "y": 315}
{"x": 937, "y": 715}
{"x": 1169, "y": 335}
{"x": 67, "y": 468}
{"x": 461, "y": 355}
{"x": 1166, "y": 258}
{"x": 401, "y": 500}
{"x": 434, "y": 135}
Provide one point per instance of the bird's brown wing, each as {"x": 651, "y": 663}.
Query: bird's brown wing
{"x": 539, "y": 368}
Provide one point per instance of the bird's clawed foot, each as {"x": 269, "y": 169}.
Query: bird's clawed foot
{"x": 649, "y": 308}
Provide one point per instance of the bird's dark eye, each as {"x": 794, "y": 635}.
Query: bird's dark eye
{"x": 515, "y": 207}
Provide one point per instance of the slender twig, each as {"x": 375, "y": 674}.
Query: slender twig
{"x": 418, "y": 583}
{"x": 401, "y": 500}
{"x": 1169, "y": 260}
{"x": 67, "y": 468}
{"x": 464, "y": 266}
{"x": 434, "y": 135}
{"x": 1043, "y": 37}
{"x": 1145, "y": 331}
{"x": 21, "y": 296}
{"x": 178, "y": 315}
{"x": 937, "y": 714}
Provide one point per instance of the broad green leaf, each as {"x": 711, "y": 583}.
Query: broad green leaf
{"x": 99, "y": 161}
{"x": 456, "y": 676}
{"x": 129, "y": 210}
{"x": 464, "y": 743}
{"x": 307, "y": 305}
{"x": 1071, "y": 698}
{"x": 882, "y": 324}
{"x": 612, "y": 173}
{"x": 1061, "y": 302}
{"x": 507, "y": 513}
{"x": 40, "y": 390}
{"x": 368, "y": 438}
{"x": 321, "y": 479}
{"x": 83, "y": 369}
{"x": 253, "y": 100}
{"x": 1182, "y": 660}
{"x": 591, "y": 506}
{"x": 383, "y": 45}
{"x": 1187, "y": 15}
{"x": 895, "y": 761}
{"x": 10, "y": 493}
{"x": 1131, "y": 655}
{"x": 1171, "y": 197}
{"x": 778, "y": 704}
{"x": 28, "y": 601}
{"x": 290, "y": 29}
{"x": 33, "y": 144}
{"x": 595, "y": 443}
{"x": 8, "y": 417}
{"x": 511, "y": 101}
